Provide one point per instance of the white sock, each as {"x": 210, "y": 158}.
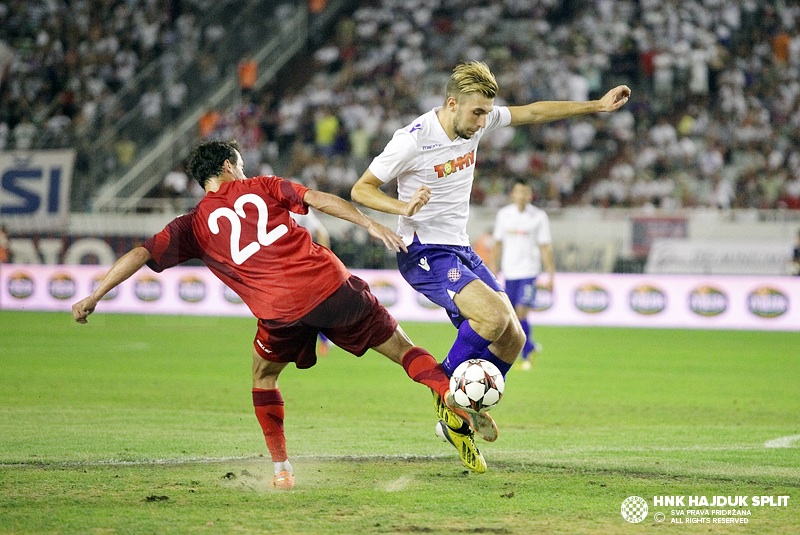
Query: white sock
{"x": 284, "y": 465}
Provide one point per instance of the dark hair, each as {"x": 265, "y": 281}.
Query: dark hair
{"x": 206, "y": 160}
{"x": 521, "y": 182}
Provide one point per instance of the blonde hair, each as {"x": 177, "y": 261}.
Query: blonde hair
{"x": 471, "y": 77}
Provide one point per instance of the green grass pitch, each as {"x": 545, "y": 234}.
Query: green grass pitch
{"x": 144, "y": 424}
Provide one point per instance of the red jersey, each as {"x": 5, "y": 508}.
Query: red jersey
{"x": 244, "y": 234}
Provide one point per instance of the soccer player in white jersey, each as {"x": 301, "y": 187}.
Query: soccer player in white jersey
{"x": 433, "y": 160}
{"x": 522, "y": 244}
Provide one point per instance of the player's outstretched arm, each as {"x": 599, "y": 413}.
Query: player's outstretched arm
{"x": 338, "y": 207}
{"x": 547, "y": 111}
{"x": 367, "y": 192}
{"x": 122, "y": 269}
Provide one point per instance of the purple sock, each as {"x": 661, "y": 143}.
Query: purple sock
{"x": 528, "y": 347}
{"x": 468, "y": 345}
{"x": 502, "y": 365}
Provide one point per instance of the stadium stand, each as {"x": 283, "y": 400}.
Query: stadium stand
{"x": 714, "y": 121}
{"x": 106, "y": 77}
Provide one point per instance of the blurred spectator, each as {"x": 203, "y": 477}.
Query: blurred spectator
{"x": 316, "y": 7}
{"x": 248, "y": 75}
{"x": 24, "y": 134}
{"x": 176, "y": 94}
{"x": 790, "y": 195}
{"x": 341, "y": 176}
{"x": 3, "y": 135}
{"x": 326, "y": 131}
{"x": 151, "y": 102}
{"x": 124, "y": 150}
{"x": 5, "y": 246}
{"x": 176, "y": 188}
{"x": 208, "y": 123}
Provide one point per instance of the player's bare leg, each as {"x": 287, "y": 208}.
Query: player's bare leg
{"x": 511, "y": 342}
{"x": 489, "y": 312}
{"x": 268, "y": 405}
{"x": 418, "y": 363}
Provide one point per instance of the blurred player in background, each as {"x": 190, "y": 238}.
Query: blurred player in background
{"x": 242, "y": 231}
{"x": 796, "y": 256}
{"x": 433, "y": 160}
{"x": 522, "y": 244}
{"x": 320, "y": 235}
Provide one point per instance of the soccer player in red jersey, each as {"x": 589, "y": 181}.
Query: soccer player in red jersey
{"x": 296, "y": 288}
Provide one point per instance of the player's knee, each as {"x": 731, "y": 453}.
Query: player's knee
{"x": 495, "y": 323}
{"x": 518, "y": 336}
{"x": 512, "y": 341}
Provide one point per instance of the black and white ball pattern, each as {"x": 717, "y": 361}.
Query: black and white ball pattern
{"x": 477, "y": 385}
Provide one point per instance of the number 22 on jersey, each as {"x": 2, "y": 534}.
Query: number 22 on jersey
{"x": 265, "y": 238}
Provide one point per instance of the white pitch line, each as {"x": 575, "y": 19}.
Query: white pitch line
{"x": 119, "y": 462}
{"x": 782, "y": 442}
{"x": 633, "y": 449}
{"x": 214, "y": 460}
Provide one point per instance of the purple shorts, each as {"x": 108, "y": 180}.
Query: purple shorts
{"x": 439, "y": 272}
{"x": 522, "y": 292}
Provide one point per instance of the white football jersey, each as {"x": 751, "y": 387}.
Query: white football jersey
{"x": 521, "y": 234}
{"x": 422, "y": 154}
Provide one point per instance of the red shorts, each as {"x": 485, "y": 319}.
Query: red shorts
{"x": 352, "y": 318}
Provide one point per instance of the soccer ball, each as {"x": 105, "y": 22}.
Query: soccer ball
{"x": 477, "y": 385}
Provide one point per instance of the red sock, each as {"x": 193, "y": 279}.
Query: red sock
{"x": 269, "y": 411}
{"x": 423, "y": 368}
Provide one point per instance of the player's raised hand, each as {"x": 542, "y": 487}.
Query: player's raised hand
{"x": 615, "y": 99}
{"x": 390, "y": 238}
{"x": 418, "y": 200}
{"x": 82, "y": 309}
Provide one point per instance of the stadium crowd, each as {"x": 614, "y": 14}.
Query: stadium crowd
{"x": 714, "y": 119}
{"x": 107, "y": 76}
{"x": 68, "y": 66}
